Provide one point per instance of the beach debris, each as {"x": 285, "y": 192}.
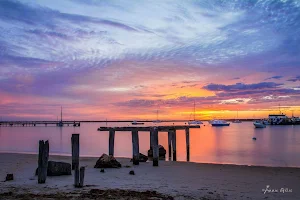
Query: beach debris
{"x": 122, "y": 194}
{"x": 9, "y": 177}
{"x": 131, "y": 172}
{"x": 57, "y": 168}
{"x": 102, "y": 171}
{"x": 81, "y": 181}
{"x": 10, "y": 193}
{"x": 162, "y": 152}
{"x": 142, "y": 158}
{"x": 106, "y": 161}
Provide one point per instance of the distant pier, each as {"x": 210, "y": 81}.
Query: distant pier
{"x": 39, "y": 123}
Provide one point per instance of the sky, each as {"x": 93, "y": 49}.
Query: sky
{"x": 127, "y": 59}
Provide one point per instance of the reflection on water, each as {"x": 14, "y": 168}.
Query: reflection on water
{"x": 275, "y": 145}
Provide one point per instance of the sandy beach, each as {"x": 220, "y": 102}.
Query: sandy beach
{"x": 180, "y": 180}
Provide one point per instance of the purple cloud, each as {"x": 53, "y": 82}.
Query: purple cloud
{"x": 274, "y": 77}
{"x": 241, "y": 86}
{"x": 297, "y": 78}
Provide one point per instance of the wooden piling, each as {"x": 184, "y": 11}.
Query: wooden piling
{"x": 174, "y": 145}
{"x": 75, "y": 151}
{"x": 81, "y": 182}
{"x": 111, "y": 142}
{"x": 135, "y": 147}
{"x": 155, "y": 147}
{"x": 187, "y": 136}
{"x": 151, "y": 139}
{"x": 43, "y": 161}
{"x": 170, "y": 143}
{"x": 76, "y": 176}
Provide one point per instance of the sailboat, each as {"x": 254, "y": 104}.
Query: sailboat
{"x": 195, "y": 121}
{"x": 237, "y": 120}
{"x": 157, "y": 120}
{"x": 60, "y": 123}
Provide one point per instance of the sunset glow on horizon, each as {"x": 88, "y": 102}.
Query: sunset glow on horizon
{"x": 123, "y": 61}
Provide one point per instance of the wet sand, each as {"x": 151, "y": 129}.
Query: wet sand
{"x": 178, "y": 180}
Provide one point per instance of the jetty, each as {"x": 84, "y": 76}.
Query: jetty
{"x": 39, "y": 123}
{"x": 59, "y": 123}
{"x": 171, "y": 130}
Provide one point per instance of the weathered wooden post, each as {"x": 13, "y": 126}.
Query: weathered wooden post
{"x": 174, "y": 144}
{"x": 81, "y": 183}
{"x": 75, "y": 150}
{"x": 155, "y": 146}
{"x": 111, "y": 142}
{"x": 151, "y": 139}
{"x": 170, "y": 143}
{"x": 135, "y": 147}
{"x": 187, "y": 136}
{"x": 75, "y": 158}
{"x": 43, "y": 161}
{"x": 76, "y": 176}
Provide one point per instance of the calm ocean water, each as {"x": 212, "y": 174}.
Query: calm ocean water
{"x": 275, "y": 145}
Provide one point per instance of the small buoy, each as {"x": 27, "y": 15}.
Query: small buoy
{"x": 102, "y": 171}
{"x": 254, "y": 138}
{"x": 9, "y": 177}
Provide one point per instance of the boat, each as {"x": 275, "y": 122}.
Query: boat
{"x": 237, "y": 120}
{"x": 157, "y": 120}
{"x": 137, "y": 123}
{"x": 295, "y": 119}
{"x": 60, "y": 123}
{"x": 194, "y": 121}
{"x": 266, "y": 122}
{"x": 218, "y": 122}
{"x": 259, "y": 124}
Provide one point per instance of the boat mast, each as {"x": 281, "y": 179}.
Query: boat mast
{"x": 279, "y": 109}
{"x": 194, "y": 110}
{"x": 61, "y": 113}
{"x": 157, "y": 115}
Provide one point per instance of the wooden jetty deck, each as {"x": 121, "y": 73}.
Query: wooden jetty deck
{"x": 153, "y": 139}
{"x": 147, "y": 128}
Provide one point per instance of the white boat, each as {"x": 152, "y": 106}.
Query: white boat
{"x": 217, "y": 122}
{"x": 237, "y": 120}
{"x": 295, "y": 119}
{"x": 195, "y": 121}
{"x": 277, "y": 119}
{"x": 259, "y": 124}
